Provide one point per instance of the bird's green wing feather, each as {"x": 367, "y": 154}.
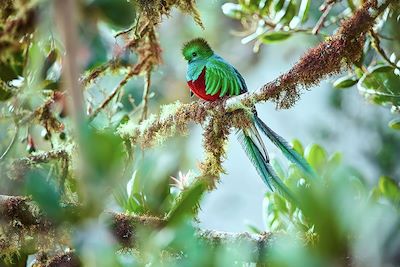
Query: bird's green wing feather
{"x": 221, "y": 77}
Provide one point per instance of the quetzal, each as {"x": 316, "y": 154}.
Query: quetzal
{"x": 210, "y": 78}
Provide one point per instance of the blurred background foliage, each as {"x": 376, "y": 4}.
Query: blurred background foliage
{"x": 78, "y": 176}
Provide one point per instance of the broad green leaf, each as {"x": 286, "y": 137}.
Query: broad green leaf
{"x": 43, "y": 192}
{"x": 381, "y": 85}
{"x": 359, "y": 72}
{"x": 272, "y": 37}
{"x": 130, "y": 186}
{"x": 395, "y": 124}
{"x": 187, "y": 202}
{"x": 103, "y": 152}
{"x": 389, "y": 188}
{"x": 345, "y": 82}
{"x": 280, "y": 203}
{"x": 316, "y": 156}
{"x": 298, "y": 146}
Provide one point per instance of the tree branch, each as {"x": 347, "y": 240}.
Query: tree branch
{"x": 66, "y": 14}
{"x": 327, "y": 58}
{"x": 18, "y": 211}
{"x": 133, "y": 72}
{"x": 20, "y": 166}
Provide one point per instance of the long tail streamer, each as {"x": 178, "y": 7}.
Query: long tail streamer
{"x": 262, "y": 165}
{"x": 286, "y": 149}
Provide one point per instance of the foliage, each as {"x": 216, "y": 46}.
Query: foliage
{"x": 376, "y": 73}
{"x": 333, "y": 209}
{"x": 85, "y": 180}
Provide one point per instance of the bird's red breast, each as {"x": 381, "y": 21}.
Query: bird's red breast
{"x": 198, "y": 87}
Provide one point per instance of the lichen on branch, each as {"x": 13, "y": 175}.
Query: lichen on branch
{"x": 328, "y": 58}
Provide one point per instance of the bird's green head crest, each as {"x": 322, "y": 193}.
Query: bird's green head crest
{"x": 196, "y": 49}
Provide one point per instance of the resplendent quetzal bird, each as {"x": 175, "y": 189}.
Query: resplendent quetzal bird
{"x": 210, "y": 78}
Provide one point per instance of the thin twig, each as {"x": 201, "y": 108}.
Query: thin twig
{"x": 64, "y": 174}
{"x": 146, "y": 92}
{"x": 124, "y": 31}
{"x": 133, "y": 72}
{"x": 376, "y": 43}
{"x": 327, "y": 58}
{"x": 327, "y": 8}
{"x": 20, "y": 166}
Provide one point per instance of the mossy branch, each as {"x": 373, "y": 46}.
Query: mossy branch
{"x": 328, "y": 58}
{"x": 21, "y": 213}
{"x": 21, "y": 166}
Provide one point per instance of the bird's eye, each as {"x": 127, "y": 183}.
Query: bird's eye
{"x": 194, "y": 54}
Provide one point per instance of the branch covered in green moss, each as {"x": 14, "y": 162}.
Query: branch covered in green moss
{"x": 21, "y": 166}
{"x": 21, "y": 213}
{"x": 328, "y": 58}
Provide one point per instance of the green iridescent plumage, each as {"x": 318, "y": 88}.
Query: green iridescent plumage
{"x": 220, "y": 76}
{"x": 198, "y": 46}
{"x": 222, "y": 79}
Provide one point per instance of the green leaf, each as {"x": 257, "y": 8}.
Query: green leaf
{"x": 296, "y": 144}
{"x": 187, "y": 202}
{"x": 389, "y": 188}
{"x": 132, "y": 187}
{"x": 272, "y": 37}
{"x": 395, "y": 124}
{"x": 43, "y": 192}
{"x": 254, "y": 229}
{"x": 359, "y": 72}
{"x": 280, "y": 203}
{"x": 381, "y": 85}
{"x": 316, "y": 156}
{"x": 103, "y": 151}
{"x": 345, "y": 82}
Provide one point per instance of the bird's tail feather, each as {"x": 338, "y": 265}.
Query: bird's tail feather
{"x": 262, "y": 165}
{"x": 286, "y": 149}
